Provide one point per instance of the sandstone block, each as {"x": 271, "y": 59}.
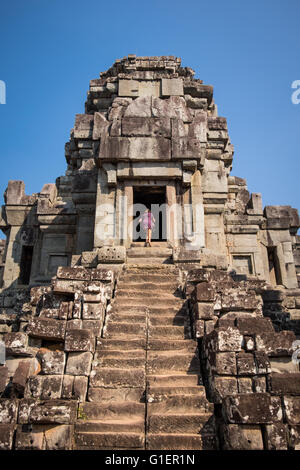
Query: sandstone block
{"x": 276, "y": 436}
{"x": 16, "y": 344}
{"x": 45, "y": 387}
{"x": 8, "y": 411}
{"x": 79, "y": 363}
{"x": 171, "y": 86}
{"x": 77, "y": 273}
{"x": 79, "y": 340}
{"x": 47, "y": 328}
{"x": 292, "y": 409}
{"x": 237, "y": 437}
{"x": 47, "y": 412}
{"x": 6, "y": 436}
{"x": 285, "y": 384}
{"x": 83, "y": 128}
{"x": 52, "y": 362}
{"x": 80, "y": 388}
{"x": 204, "y": 292}
{"x": 255, "y": 408}
{"x": 246, "y": 364}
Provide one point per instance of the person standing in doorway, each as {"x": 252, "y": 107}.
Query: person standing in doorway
{"x": 148, "y": 221}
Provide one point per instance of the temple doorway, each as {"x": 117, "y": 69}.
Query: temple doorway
{"x": 153, "y": 198}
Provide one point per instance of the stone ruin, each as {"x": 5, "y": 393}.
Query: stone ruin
{"x": 188, "y": 344}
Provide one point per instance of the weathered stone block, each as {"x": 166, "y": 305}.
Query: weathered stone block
{"x": 221, "y": 387}
{"x": 203, "y": 311}
{"x": 285, "y": 384}
{"x": 52, "y": 362}
{"x": 30, "y": 438}
{"x": 246, "y": 364}
{"x": 135, "y": 148}
{"x": 79, "y": 340}
{"x": 77, "y": 273}
{"x": 172, "y": 86}
{"x": 100, "y": 126}
{"x": 262, "y": 361}
{"x": 3, "y": 378}
{"x": 112, "y": 254}
{"x": 47, "y": 328}
{"x": 6, "y": 436}
{"x": 237, "y": 437}
{"x": 16, "y": 344}
{"x": 92, "y": 311}
{"x": 245, "y": 385}
{"x": 59, "y": 437}
{"x": 8, "y": 411}
{"x": 223, "y": 340}
{"x": 83, "y": 128}
{"x": 223, "y": 363}
{"x": 80, "y": 388}
{"x": 276, "y": 436}
{"x": 275, "y": 344}
{"x": 103, "y": 275}
{"x": 204, "y": 292}
{"x": 292, "y": 409}
{"x": 255, "y": 408}
{"x": 45, "y": 387}
{"x": 50, "y": 411}
{"x": 79, "y": 363}
{"x": 21, "y": 375}
{"x": 146, "y": 127}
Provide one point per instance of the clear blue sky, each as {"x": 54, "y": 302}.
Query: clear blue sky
{"x": 249, "y": 51}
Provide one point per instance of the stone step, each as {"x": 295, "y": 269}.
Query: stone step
{"x": 177, "y": 423}
{"x": 120, "y": 354}
{"x": 129, "y": 285}
{"x": 149, "y": 261}
{"x": 168, "y": 320}
{"x": 146, "y": 294}
{"x": 169, "y": 332}
{"x": 109, "y": 440}
{"x": 112, "y": 425}
{"x": 149, "y": 251}
{"x": 113, "y": 377}
{"x": 122, "y": 328}
{"x": 103, "y": 394}
{"x": 148, "y": 301}
{"x": 174, "y": 441}
{"x": 174, "y": 379}
{"x": 171, "y": 344}
{"x": 157, "y": 393}
{"x": 112, "y": 410}
{"x": 120, "y": 362}
{"x": 143, "y": 310}
{"x": 179, "y": 405}
{"x": 111, "y": 343}
{"x": 171, "y": 360}
{"x": 148, "y": 277}
{"x": 125, "y": 318}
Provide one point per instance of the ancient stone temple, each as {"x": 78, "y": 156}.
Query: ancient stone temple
{"x": 190, "y": 343}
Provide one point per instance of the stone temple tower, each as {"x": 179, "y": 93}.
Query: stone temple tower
{"x": 111, "y": 344}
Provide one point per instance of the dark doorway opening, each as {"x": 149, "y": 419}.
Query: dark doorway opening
{"x": 274, "y": 268}
{"x": 25, "y": 265}
{"x": 153, "y": 198}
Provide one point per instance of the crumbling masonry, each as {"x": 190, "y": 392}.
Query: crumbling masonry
{"x": 188, "y": 344}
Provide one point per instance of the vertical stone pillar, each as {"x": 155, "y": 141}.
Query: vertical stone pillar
{"x": 173, "y": 215}
{"x": 105, "y": 218}
{"x": 129, "y": 219}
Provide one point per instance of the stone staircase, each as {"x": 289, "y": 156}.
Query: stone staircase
{"x": 145, "y": 389}
{"x": 158, "y": 253}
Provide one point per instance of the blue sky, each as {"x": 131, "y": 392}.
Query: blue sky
{"x": 249, "y": 52}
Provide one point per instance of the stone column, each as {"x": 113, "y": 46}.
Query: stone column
{"x": 105, "y": 230}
